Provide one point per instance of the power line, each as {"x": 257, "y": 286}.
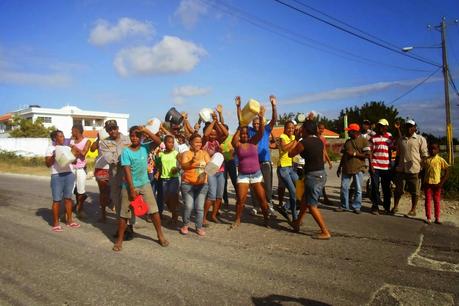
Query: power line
{"x": 451, "y": 81}
{"x": 353, "y": 27}
{"x": 296, "y": 37}
{"x": 414, "y": 87}
{"x": 357, "y": 35}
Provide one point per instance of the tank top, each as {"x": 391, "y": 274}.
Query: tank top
{"x": 247, "y": 154}
{"x": 81, "y": 160}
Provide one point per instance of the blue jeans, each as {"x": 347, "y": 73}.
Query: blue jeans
{"x": 156, "y": 186}
{"x": 231, "y": 170}
{"x": 289, "y": 178}
{"x": 383, "y": 176}
{"x": 346, "y": 180}
{"x": 216, "y": 184}
{"x": 62, "y": 186}
{"x": 193, "y": 197}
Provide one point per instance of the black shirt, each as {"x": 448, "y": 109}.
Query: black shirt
{"x": 313, "y": 154}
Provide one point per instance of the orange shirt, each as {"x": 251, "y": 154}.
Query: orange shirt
{"x": 194, "y": 174}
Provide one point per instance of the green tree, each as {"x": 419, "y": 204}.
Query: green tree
{"x": 26, "y": 128}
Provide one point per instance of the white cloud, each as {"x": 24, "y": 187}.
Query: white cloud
{"x": 104, "y": 33}
{"x": 27, "y": 78}
{"x": 170, "y": 55}
{"x": 189, "y": 12}
{"x": 180, "y": 93}
{"x": 352, "y": 92}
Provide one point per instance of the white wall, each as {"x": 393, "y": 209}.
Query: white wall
{"x": 25, "y": 146}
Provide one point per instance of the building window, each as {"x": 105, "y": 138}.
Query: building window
{"x": 45, "y": 119}
{"x": 99, "y": 122}
{"x": 88, "y": 122}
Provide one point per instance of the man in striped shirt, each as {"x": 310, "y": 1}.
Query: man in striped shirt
{"x": 380, "y": 171}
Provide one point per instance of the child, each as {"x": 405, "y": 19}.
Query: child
{"x": 436, "y": 173}
{"x": 134, "y": 163}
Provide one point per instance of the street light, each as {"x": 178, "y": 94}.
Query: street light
{"x": 449, "y": 126}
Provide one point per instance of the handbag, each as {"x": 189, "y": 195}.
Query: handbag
{"x": 139, "y": 206}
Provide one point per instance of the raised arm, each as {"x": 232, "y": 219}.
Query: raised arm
{"x": 186, "y": 124}
{"x": 273, "y": 101}
{"x": 150, "y": 134}
{"x": 235, "y": 141}
{"x": 95, "y": 145}
{"x": 238, "y": 109}
{"x": 220, "y": 113}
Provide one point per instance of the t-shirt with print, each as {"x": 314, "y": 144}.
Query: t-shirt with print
{"x": 138, "y": 162}
{"x": 284, "y": 160}
{"x": 264, "y": 153}
{"x": 55, "y": 167}
{"x": 195, "y": 175}
{"x": 168, "y": 161}
{"x": 353, "y": 164}
{"x": 434, "y": 166}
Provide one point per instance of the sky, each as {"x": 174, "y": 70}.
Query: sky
{"x": 143, "y": 57}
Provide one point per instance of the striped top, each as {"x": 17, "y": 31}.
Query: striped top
{"x": 380, "y": 146}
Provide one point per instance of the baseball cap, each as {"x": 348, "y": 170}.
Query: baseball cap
{"x": 111, "y": 123}
{"x": 366, "y": 122}
{"x": 383, "y": 122}
{"x": 410, "y": 121}
{"x": 353, "y": 127}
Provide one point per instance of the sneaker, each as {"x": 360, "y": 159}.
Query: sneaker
{"x": 357, "y": 211}
{"x": 271, "y": 211}
{"x": 253, "y": 212}
{"x": 339, "y": 209}
{"x": 375, "y": 211}
{"x": 437, "y": 221}
{"x": 201, "y": 231}
{"x": 411, "y": 213}
{"x": 184, "y": 230}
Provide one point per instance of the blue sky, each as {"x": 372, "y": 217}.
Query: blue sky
{"x": 143, "y": 57}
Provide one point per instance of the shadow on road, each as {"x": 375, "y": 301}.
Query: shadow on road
{"x": 275, "y": 299}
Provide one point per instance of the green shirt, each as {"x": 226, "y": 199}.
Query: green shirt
{"x": 168, "y": 162}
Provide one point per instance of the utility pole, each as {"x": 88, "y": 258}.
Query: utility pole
{"x": 449, "y": 126}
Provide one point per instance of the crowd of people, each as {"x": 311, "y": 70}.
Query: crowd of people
{"x": 169, "y": 168}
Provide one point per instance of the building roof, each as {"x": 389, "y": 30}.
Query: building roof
{"x": 278, "y": 130}
{"x": 5, "y": 117}
{"x": 70, "y": 111}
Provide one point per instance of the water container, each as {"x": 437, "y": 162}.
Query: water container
{"x": 183, "y": 148}
{"x": 103, "y": 134}
{"x": 153, "y": 125}
{"x": 64, "y": 156}
{"x": 174, "y": 116}
{"x": 301, "y": 117}
{"x": 214, "y": 164}
{"x": 206, "y": 114}
{"x": 250, "y": 111}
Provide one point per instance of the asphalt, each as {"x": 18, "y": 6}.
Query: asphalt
{"x": 374, "y": 260}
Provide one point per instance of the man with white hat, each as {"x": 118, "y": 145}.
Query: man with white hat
{"x": 411, "y": 150}
{"x": 381, "y": 144}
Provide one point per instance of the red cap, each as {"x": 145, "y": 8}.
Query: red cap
{"x": 353, "y": 127}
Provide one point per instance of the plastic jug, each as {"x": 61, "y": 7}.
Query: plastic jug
{"x": 173, "y": 116}
{"x": 206, "y": 114}
{"x": 214, "y": 164}
{"x": 103, "y": 134}
{"x": 250, "y": 110}
{"x": 182, "y": 148}
{"x": 64, "y": 156}
{"x": 301, "y": 117}
{"x": 153, "y": 125}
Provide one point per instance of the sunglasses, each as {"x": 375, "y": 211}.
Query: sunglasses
{"x": 111, "y": 128}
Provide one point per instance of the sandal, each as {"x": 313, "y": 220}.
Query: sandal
{"x": 74, "y": 225}
{"x": 117, "y": 248}
{"x": 201, "y": 232}
{"x": 57, "y": 229}
{"x": 184, "y": 230}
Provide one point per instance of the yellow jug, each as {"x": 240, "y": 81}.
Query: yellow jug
{"x": 250, "y": 110}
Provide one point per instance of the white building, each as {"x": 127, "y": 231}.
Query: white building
{"x": 64, "y": 118}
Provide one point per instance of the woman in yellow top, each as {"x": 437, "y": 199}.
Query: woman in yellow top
{"x": 285, "y": 167}
{"x": 194, "y": 183}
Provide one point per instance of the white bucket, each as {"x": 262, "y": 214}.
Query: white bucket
{"x": 183, "y": 148}
{"x": 206, "y": 114}
{"x": 64, "y": 156}
{"x": 214, "y": 164}
{"x": 153, "y": 125}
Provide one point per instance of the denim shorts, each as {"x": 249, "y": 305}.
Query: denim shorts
{"x": 62, "y": 185}
{"x": 252, "y": 178}
{"x": 170, "y": 187}
{"x": 216, "y": 186}
{"x": 314, "y": 182}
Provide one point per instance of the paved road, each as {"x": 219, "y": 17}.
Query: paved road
{"x": 375, "y": 260}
